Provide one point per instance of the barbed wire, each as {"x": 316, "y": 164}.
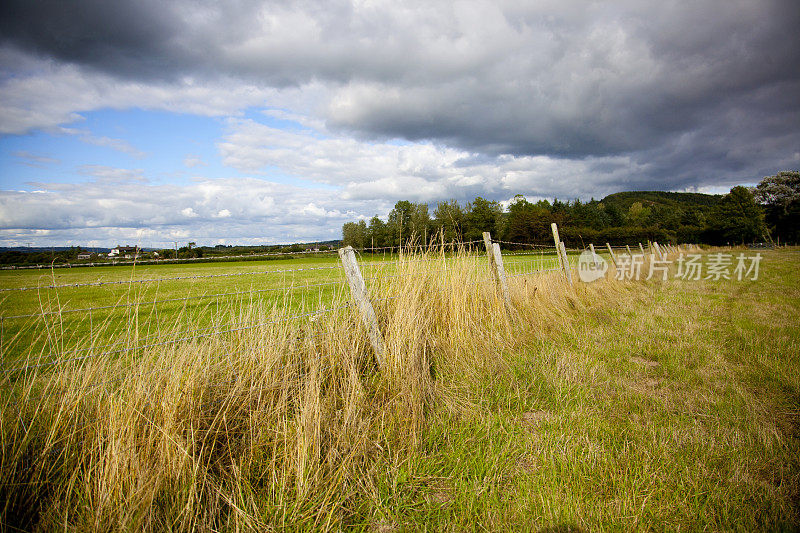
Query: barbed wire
{"x": 430, "y": 247}
{"x": 530, "y": 245}
{"x": 542, "y": 253}
{"x": 185, "y": 338}
{"x": 537, "y": 271}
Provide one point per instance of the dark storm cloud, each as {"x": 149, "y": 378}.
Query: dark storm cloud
{"x": 129, "y": 38}
{"x": 690, "y": 91}
{"x": 606, "y": 86}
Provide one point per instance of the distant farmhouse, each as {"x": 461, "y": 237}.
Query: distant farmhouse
{"x": 128, "y": 252}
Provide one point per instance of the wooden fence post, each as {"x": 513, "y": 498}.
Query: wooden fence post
{"x": 496, "y": 266}
{"x": 565, "y": 261}
{"x": 487, "y": 242}
{"x": 500, "y": 274}
{"x": 562, "y": 256}
{"x": 558, "y": 244}
{"x": 594, "y": 256}
{"x": 627, "y": 247}
{"x": 641, "y": 249}
{"x": 611, "y": 253}
{"x": 358, "y": 290}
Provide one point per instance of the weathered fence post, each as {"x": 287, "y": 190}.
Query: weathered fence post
{"x": 558, "y": 244}
{"x": 627, "y": 247}
{"x": 500, "y": 274}
{"x": 487, "y": 242}
{"x": 358, "y": 290}
{"x": 611, "y": 253}
{"x": 561, "y": 253}
{"x": 565, "y": 260}
{"x": 641, "y": 249}
{"x": 496, "y": 265}
{"x": 594, "y": 256}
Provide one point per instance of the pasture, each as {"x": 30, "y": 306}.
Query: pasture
{"x": 603, "y": 406}
{"x": 50, "y": 312}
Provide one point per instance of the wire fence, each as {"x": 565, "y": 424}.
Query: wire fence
{"x": 61, "y": 333}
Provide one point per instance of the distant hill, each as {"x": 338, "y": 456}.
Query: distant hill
{"x": 624, "y": 200}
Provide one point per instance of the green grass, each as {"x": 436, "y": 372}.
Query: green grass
{"x": 613, "y": 406}
{"x": 125, "y": 311}
{"x": 676, "y": 408}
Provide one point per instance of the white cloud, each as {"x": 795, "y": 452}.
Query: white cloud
{"x": 245, "y": 210}
{"x": 390, "y": 171}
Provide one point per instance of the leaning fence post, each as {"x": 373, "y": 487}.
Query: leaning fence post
{"x": 500, "y": 274}
{"x": 594, "y": 256}
{"x": 561, "y": 256}
{"x": 611, "y": 253}
{"x": 565, "y": 260}
{"x": 628, "y": 247}
{"x": 487, "y": 242}
{"x": 641, "y": 248}
{"x": 496, "y": 265}
{"x": 358, "y": 290}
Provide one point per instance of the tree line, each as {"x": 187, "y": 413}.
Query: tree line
{"x": 766, "y": 213}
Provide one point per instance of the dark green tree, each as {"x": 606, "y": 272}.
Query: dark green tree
{"x": 738, "y": 218}
{"x": 354, "y": 234}
{"x": 482, "y": 215}
{"x": 399, "y": 223}
{"x": 780, "y": 197}
{"x": 527, "y": 222}
{"x": 420, "y": 224}
{"x": 377, "y": 233}
{"x": 448, "y": 218}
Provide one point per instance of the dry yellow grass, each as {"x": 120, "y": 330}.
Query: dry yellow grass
{"x": 292, "y": 424}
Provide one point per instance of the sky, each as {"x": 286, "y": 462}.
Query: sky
{"x": 261, "y": 122}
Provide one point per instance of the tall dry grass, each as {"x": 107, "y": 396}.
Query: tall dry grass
{"x": 276, "y": 425}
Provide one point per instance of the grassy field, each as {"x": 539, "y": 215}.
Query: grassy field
{"x": 62, "y": 310}
{"x": 121, "y": 307}
{"x": 608, "y": 406}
